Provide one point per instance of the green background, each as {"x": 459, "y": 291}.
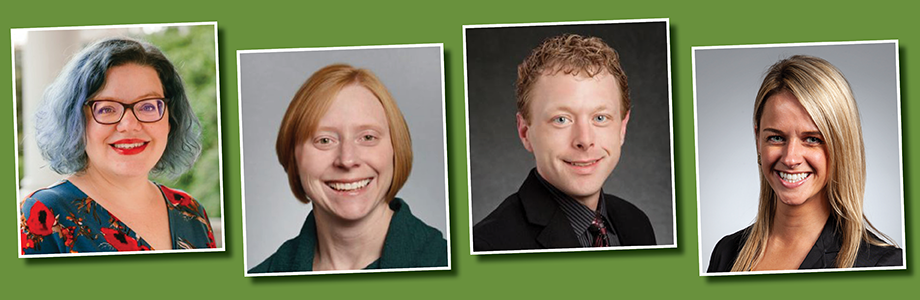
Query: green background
{"x": 643, "y": 273}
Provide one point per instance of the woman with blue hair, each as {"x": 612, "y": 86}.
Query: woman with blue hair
{"x": 117, "y": 113}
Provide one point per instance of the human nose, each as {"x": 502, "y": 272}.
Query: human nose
{"x": 348, "y": 156}
{"x": 128, "y": 121}
{"x": 584, "y": 136}
{"x": 792, "y": 154}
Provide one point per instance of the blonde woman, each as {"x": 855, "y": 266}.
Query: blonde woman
{"x": 812, "y": 178}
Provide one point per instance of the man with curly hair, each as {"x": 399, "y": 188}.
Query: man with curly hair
{"x": 573, "y": 107}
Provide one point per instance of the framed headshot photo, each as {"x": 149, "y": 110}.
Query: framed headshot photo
{"x": 118, "y": 139}
{"x": 569, "y": 136}
{"x": 799, "y": 142}
{"x": 337, "y": 145}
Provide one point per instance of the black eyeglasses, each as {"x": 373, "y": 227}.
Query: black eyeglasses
{"x": 109, "y": 112}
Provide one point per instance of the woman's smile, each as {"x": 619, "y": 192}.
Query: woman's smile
{"x": 129, "y": 146}
{"x": 794, "y": 156}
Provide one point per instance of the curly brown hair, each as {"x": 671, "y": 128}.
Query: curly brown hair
{"x": 571, "y": 54}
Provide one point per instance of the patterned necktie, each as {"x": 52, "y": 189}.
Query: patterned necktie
{"x": 599, "y": 231}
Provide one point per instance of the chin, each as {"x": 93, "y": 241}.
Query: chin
{"x": 582, "y": 189}
{"x": 131, "y": 170}
{"x": 355, "y": 212}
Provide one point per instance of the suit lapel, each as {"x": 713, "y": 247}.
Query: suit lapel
{"x": 618, "y": 221}
{"x": 824, "y": 253}
{"x": 541, "y": 209}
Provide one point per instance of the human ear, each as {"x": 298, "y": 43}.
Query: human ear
{"x": 623, "y": 127}
{"x": 523, "y": 130}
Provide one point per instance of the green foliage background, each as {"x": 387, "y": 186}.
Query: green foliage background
{"x": 192, "y": 53}
{"x": 660, "y": 273}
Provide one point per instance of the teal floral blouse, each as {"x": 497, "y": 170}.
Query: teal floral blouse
{"x": 62, "y": 219}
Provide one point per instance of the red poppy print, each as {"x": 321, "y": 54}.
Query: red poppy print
{"x": 79, "y": 224}
{"x": 27, "y": 243}
{"x": 41, "y": 219}
{"x": 120, "y": 240}
{"x": 176, "y": 197}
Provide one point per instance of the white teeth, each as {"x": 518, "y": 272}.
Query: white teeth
{"x": 793, "y": 177}
{"x": 584, "y": 164}
{"x": 128, "y": 146}
{"x": 339, "y": 186}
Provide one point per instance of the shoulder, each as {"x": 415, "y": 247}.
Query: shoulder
{"x": 177, "y": 197}
{"x": 42, "y": 214}
{"x": 411, "y": 242}
{"x": 55, "y": 198}
{"x": 491, "y": 232}
{"x": 870, "y": 255}
{"x": 625, "y": 209}
{"x": 295, "y": 254}
{"x": 197, "y": 232}
{"x": 726, "y": 251}
{"x": 284, "y": 259}
{"x": 632, "y": 224}
{"x": 510, "y": 211}
{"x": 183, "y": 201}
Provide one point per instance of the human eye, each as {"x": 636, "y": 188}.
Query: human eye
{"x": 324, "y": 142}
{"x": 369, "y": 138}
{"x": 775, "y": 139}
{"x": 813, "y": 140}
{"x": 104, "y": 108}
{"x": 601, "y": 118}
{"x": 560, "y": 120}
{"x": 148, "y": 107}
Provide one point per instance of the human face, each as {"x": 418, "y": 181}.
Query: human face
{"x": 575, "y": 131}
{"x": 128, "y": 148}
{"x": 793, "y": 153}
{"x": 346, "y": 167}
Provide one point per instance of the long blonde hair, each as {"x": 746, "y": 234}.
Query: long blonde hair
{"x": 826, "y": 96}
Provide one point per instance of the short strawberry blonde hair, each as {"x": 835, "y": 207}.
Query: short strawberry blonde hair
{"x": 571, "y": 54}
{"x": 313, "y": 100}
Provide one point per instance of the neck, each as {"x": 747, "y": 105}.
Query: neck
{"x": 589, "y": 201}
{"x": 132, "y": 192}
{"x": 350, "y": 244}
{"x": 801, "y": 221}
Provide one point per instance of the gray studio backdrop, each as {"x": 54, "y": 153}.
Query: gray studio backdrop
{"x": 498, "y": 161}
{"x": 726, "y": 82}
{"x": 268, "y": 82}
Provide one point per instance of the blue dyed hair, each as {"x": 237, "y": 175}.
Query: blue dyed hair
{"x": 60, "y": 123}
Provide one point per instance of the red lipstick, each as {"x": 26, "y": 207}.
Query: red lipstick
{"x": 129, "y": 146}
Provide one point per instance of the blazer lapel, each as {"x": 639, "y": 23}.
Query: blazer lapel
{"x": 824, "y": 253}
{"x": 542, "y": 210}
{"x": 617, "y": 220}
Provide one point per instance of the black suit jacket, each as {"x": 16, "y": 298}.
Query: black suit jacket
{"x": 822, "y": 255}
{"x": 531, "y": 219}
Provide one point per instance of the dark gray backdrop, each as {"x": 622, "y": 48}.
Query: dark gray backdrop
{"x": 726, "y": 80}
{"x": 267, "y": 83}
{"x": 498, "y": 161}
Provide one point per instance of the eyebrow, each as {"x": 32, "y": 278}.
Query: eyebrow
{"x": 147, "y": 96}
{"x": 382, "y": 129}
{"x": 567, "y": 108}
{"x": 818, "y": 133}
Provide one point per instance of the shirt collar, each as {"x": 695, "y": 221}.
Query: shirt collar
{"x": 579, "y": 215}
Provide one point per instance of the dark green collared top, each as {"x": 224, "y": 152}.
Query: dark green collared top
{"x": 410, "y": 243}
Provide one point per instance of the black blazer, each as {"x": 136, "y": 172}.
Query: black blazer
{"x": 531, "y": 219}
{"x": 822, "y": 255}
